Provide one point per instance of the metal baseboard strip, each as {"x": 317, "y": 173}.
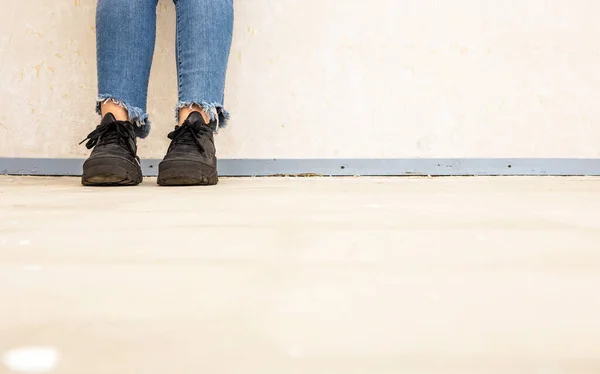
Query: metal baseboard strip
{"x": 339, "y": 167}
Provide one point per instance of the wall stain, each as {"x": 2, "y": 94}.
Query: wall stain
{"x": 77, "y": 2}
{"x": 41, "y": 36}
{"x": 31, "y": 31}
{"x": 38, "y": 68}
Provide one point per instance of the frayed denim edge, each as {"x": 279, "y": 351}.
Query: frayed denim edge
{"x": 136, "y": 115}
{"x": 215, "y": 110}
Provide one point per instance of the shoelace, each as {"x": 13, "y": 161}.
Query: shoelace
{"x": 103, "y": 135}
{"x": 189, "y": 134}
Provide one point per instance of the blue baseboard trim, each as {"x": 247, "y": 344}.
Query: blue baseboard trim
{"x": 339, "y": 167}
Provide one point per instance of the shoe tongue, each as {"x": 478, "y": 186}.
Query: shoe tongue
{"x": 195, "y": 117}
{"x": 108, "y": 119}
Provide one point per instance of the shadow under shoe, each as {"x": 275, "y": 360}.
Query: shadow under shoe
{"x": 191, "y": 159}
{"x": 113, "y": 161}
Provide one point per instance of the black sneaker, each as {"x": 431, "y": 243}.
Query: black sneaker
{"x": 113, "y": 161}
{"x": 191, "y": 159}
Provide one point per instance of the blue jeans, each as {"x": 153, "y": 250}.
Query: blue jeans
{"x": 126, "y": 33}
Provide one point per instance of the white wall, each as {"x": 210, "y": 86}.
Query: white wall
{"x": 324, "y": 78}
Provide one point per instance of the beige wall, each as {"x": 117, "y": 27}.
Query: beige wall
{"x": 324, "y": 78}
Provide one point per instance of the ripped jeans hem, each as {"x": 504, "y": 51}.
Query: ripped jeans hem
{"x": 137, "y": 116}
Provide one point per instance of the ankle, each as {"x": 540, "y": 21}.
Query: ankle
{"x": 186, "y": 111}
{"x": 116, "y": 110}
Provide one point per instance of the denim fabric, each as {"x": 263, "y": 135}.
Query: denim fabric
{"x": 126, "y": 33}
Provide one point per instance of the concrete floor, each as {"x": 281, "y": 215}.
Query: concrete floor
{"x": 278, "y": 276}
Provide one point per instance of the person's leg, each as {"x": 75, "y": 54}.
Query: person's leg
{"x": 125, "y": 35}
{"x": 204, "y": 33}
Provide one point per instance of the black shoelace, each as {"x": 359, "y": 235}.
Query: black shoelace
{"x": 111, "y": 133}
{"x": 189, "y": 134}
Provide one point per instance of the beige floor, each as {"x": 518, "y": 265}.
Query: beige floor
{"x": 277, "y": 276}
